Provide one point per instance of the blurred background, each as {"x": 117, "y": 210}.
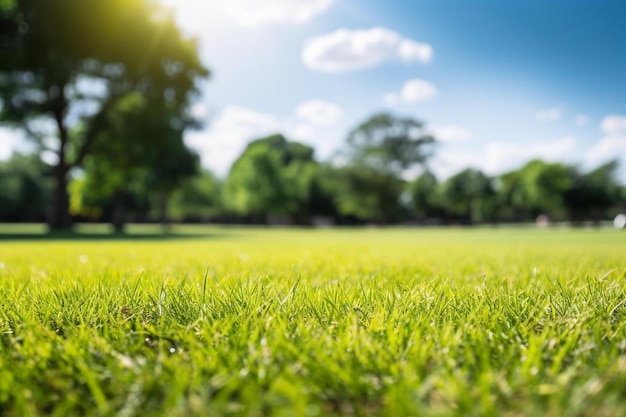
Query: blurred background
{"x": 312, "y": 112}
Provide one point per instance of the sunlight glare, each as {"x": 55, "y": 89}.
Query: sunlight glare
{"x": 195, "y": 17}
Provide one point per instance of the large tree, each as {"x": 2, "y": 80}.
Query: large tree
{"x": 273, "y": 176}
{"x": 591, "y": 194}
{"x": 378, "y": 154}
{"x": 198, "y": 199}
{"x": 425, "y": 196}
{"x": 367, "y": 194}
{"x": 538, "y": 187}
{"x": 142, "y": 144}
{"x": 469, "y": 196}
{"x": 65, "y": 63}
{"x": 389, "y": 143}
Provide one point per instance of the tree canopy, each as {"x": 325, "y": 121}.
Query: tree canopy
{"x": 64, "y": 64}
{"x": 271, "y": 177}
{"x": 378, "y": 152}
{"x": 389, "y": 143}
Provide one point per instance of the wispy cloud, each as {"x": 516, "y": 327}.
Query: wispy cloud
{"x": 319, "y": 112}
{"x": 607, "y": 148}
{"x": 581, "y": 120}
{"x": 255, "y": 13}
{"x": 613, "y": 144}
{"x": 449, "y": 133}
{"x": 228, "y": 135}
{"x": 552, "y": 114}
{"x": 350, "y": 50}
{"x": 614, "y": 124}
{"x": 413, "y": 91}
{"x": 498, "y": 157}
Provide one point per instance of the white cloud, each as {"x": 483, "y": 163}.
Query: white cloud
{"x": 581, "y": 120}
{"x": 613, "y": 145}
{"x": 410, "y": 50}
{"x": 350, "y": 50}
{"x": 228, "y": 135}
{"x": 391, "y": 99}
{"x": 255, "y": 13}
{"x": 451, "y": 133}
{"x": 608, "y": 148}
{"x": 413, "y": 91}
{"x": 550, "y": 115}
{"x": 303, "y": 132}
{"x": 417, "y": 90}
{"x": 319, "y": 112}
{"x": 501, "y": 156}
{"x": 613, "y": 124}
{"x": 498, "y": 157}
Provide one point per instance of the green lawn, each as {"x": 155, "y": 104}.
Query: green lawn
{"x": 249, "y": 321}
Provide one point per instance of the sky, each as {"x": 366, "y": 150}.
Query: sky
{"x": 498, "y": 82}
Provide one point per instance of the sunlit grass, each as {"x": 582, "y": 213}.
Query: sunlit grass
{"x": 236, "y": 321}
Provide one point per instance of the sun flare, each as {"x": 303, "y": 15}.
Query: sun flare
{"x": 194, "y": 17}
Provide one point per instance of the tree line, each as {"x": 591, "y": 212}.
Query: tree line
{"x": 276, "y": 180}
{"x": 112, "y": 109}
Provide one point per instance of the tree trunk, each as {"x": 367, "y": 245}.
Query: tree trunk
{"x": 165, "y": 221}
{"x": 118, "y": 218}
{"x": 59, "y": 217}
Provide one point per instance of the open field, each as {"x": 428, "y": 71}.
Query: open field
{"x": 236, "y": 321}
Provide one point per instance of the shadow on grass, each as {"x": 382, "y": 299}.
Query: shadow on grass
{"x": 111, "y": 237}
{"x": 100, "y": 233}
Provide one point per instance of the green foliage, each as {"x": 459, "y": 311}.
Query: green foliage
{"x": 546, "y": 184}
{"x": 233, "y": 322}
{"x": 561, "y": 191}
{"x": 199, "y": 198}
{"x": 425, "y": 196}
{"x": 272, "y": 176}
{"x": 378, "y": 152}
{"x": 469, "y": 195}
{"x": 24, "y": 188}
{"x": 50, "y": 68}
{"x": 6, "y": 4}
{"x": 389, "y": 144}
{"x": 368, "y": 194}
{"x": 140, "y": 153}
{"x": 591, "y": 194}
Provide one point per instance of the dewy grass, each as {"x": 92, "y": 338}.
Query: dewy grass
{"x": 304, "y": 323}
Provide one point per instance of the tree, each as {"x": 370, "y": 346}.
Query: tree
{"x": 378, "y": 153}
{"x": 271, "y": 177}
{"x": 198, "y": 198}
{"x": 389, "y": 144}
{"x": 24, "y": 188}
{"x": 559, "y": 190}
{"x": 322, "y": 191}
{"x": 368, "y": 194}
{"x": 537, "y": 188}
{"x": 142, "y": 146}
{"x": 469, "y": 196}
{"x": 65, "y": 63}
{"x": 591, "y": 194}
{"x": 425, "y": 198}
{"x": 513, "y": 202}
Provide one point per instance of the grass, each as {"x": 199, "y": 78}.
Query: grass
{"x": 256, "y": 322}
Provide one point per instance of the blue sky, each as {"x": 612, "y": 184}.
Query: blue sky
{"x": 499, "y": 82}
